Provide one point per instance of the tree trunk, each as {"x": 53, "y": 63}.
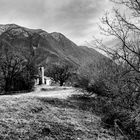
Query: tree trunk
{"x": 61, "y": 83}
{"x": 7, "y": 87}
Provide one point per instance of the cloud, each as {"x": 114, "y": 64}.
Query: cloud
{"x": 75, "y": 18}
{"x": 78, "y": 15}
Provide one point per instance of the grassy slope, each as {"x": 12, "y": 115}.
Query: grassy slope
{"x": 40, "y": 118}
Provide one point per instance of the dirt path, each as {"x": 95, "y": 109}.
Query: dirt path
{"x": 47, "y": 91}
{"x": 54, "y": 92}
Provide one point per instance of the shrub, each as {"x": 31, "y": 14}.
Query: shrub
{"x": 124, "y": 120}
{"x": 117, "y": 90}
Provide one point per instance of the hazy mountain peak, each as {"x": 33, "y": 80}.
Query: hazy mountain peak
{"x": 9, "y": 25}
{"x": 5, "y": 27}
{"x": 57, "y": 35}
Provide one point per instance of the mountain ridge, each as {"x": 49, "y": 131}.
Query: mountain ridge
{"x": 49, "y": 47}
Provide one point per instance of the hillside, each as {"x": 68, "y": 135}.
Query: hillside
{"x": 47, "y": 47}
{"x": 34, "y": 117}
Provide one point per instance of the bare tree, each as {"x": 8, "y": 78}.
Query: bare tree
{"x": 127, "y": 34}
{"x": 10, "y": 66}
{"x": 59, "y": 72}
{"x": 124, "y": 29}
{"x": 17, "y": 67}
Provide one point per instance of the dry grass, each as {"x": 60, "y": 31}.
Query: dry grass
{"x": 39, "y": 118}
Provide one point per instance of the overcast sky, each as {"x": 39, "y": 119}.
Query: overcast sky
{"x": 77, "y": 19}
